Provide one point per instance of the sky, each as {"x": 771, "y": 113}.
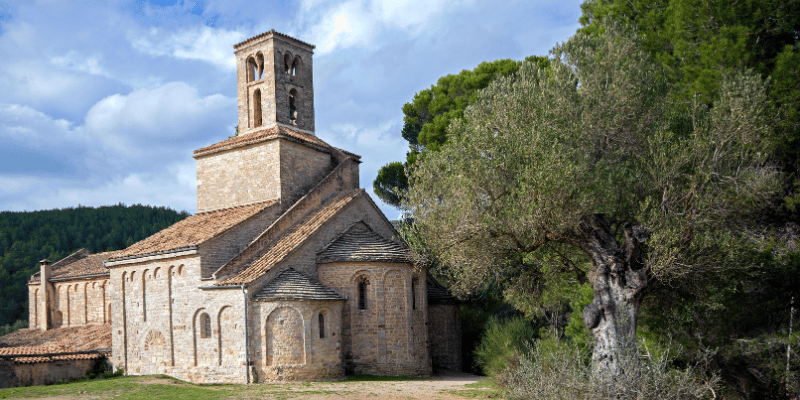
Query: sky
{"x": 103, "y": 102}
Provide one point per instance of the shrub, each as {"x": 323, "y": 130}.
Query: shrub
{"x": 8, "y": 328}
{"x": 503, "y": 343}
{"x": 562, "y": 372}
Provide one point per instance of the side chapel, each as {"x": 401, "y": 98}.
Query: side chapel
{"x": 288, "y": 270}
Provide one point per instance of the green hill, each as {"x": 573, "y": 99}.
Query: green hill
{"x": 27, "y": 237}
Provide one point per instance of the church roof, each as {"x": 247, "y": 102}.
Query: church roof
{"x": 194, "y": 230}
{"x": 270, "y": 32}
{"x": 263, "y": 135}
{"x": 248, "y": 270}
{"x": 438, "y": 294}
{"x": 78, "y": 265}
{"x": 360, "y": 243}
{"x": 292, "y": 285}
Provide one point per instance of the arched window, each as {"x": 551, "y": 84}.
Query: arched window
{"x": 296, "y": 64}
{"x": 293, "y": 106}
{"x": 414, "y": 293}
{"x": 287, "y": 62}
{"x": 362, "y": 293}
{"x": 260, "y": 63}
{"x": 205, "y": 326}
{"x": 251, "y": 69}
{"x": 257, "y": 108}
{"x": 321, "y": 326}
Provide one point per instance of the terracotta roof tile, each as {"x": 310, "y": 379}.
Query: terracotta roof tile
{"x": 41, "y": 354}
{"x": 262, "y": 135}
{"x": 360, "y": 243}
{"x": 67, "y": 339}
{"x": 292, "y": 285}
{"x": 194, "y": 230}
{"x": 284, "y": 245}
{"x": 78, "y": 265}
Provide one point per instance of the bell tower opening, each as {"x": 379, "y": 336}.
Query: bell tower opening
{"x": 257, "y": 108}
{"x": 293, "y": 106}
{"x": 275, "y": 83}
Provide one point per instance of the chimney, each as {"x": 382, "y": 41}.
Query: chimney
{"x": 44, "y": 277}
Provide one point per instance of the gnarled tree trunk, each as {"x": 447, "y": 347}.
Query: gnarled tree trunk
{"x": 618, "y": 277}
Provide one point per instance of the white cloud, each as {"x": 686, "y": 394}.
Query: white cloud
{"x": 19, "y": 122}
{"x": 76, "y": 62}
{"x": 357, "y": 23}
{"x": 204, "y": 43}
{"x": 135, "y": 122}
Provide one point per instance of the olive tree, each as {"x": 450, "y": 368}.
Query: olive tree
{"x": 588, "y": 171}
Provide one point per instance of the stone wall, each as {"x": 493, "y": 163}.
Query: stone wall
{"x": 302, "y": 168}
{"x": 444, "y": 334}
{"x": 237, "y": 177}
{"x": 287, "y": 344}
{"x": 73, "y": 302}
{"x": 41, "y": 373}
{"x": 170, "y": 326}
{"x": 387, "y": 337}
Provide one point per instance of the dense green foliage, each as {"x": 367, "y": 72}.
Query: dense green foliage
{"x": 428, "y": 115}
{"x": 503, "y": 342}
{"x": 698, "y": 41}
{"x": 27, "y": 237}
{"x": 744, "y": 314}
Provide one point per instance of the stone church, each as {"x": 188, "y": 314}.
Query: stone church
{"x": 288, "y": 270}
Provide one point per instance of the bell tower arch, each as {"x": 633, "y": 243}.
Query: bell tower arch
{"x": 275, "y": 82}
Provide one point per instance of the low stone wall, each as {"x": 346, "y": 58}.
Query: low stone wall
{"x": 309, "y": 372}
{"x": 13, "y": 373}
{"x": 419, "y": 368}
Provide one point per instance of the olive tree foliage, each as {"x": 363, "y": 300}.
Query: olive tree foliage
{"x": 587, "y": 171}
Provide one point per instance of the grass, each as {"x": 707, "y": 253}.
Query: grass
{"x": 129, "y": 387}
{"x": 168, "y": 388}
{"x": 478, "y": 390}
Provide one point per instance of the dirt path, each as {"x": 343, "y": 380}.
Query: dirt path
{"x": 443, "y": 387}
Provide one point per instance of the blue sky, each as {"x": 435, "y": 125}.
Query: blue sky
{"x": 103, "y": 102}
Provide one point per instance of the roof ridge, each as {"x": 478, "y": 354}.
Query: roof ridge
{"x": 269, "y": 132}
{"x": 235, "y": 207}
{"x": 273, "y": 32}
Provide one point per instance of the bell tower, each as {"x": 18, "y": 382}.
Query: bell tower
{"x": 274, "y": 74}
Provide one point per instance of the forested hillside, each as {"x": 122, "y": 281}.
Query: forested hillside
{"x": 27, "y": 237}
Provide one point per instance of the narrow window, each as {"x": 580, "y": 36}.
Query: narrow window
{"x": 296, "y": 66}
{"x": 414, "y": 294}
{"x": 257, "y": 108}
{"x": 205, "y": 326}
{"x": 260, "y": 62}
{"x": 321, "y": 326}
{"x": 287, "y": 62}
{"x": 251, "y": 69}
{"x": 362, "y": 294}
{"x": 293, "y": 106}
